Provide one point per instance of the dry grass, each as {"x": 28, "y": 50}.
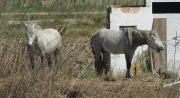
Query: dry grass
{"x": 75, "y": 77}
{"x": 17, "y": 80}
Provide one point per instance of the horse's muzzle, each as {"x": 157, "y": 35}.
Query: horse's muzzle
{"x": 29, "y": 45}
{"x": 160, "y": 49}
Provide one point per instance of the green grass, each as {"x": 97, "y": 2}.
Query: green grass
{"x": 62, "y": 5}
{"x": 84, "y": 25}
{"x": 79, "y": 28}
{"x": 57, "y": 6}
{"x": 12, "y": 35}
{"x": 84, "y": 29}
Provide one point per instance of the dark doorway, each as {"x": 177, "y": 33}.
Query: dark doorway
{"x": 121, "y": 27}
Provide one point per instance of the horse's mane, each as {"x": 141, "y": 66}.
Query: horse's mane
{"x": 137, "y": 36}
{"x": 35, "y": 24}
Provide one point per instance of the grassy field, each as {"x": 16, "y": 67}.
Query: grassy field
{"x": 63, "y": 5}
{"x": 72, "y": 24}
{"x": 75, "y": 76}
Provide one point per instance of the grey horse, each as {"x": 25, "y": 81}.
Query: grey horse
{"x": 106, "y": 41}
{"x": 43, "y": 42}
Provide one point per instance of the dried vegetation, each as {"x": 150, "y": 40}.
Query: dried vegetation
{"x": 75, "y": 77}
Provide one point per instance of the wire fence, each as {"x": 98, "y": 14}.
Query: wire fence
{"x": 174, "y": 58}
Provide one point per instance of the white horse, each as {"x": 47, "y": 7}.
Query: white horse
{"x": 42, "y": 42}
{"x": 125, "y": 41}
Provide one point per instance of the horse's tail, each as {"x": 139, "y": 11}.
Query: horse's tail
{"x": 98, "y": 65}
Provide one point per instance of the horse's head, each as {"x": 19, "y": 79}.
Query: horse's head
{"x": 30, "y": 33}
{"x": 155, "y": 41}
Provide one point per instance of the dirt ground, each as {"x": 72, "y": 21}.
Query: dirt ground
{"x": 78, "y": 79}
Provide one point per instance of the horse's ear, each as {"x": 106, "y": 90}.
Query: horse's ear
{"x": 153, "y": 32}
{"x": 25, "y": 24}
{"x": 35, "y": 24}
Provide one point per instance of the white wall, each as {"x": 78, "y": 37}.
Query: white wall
{"x": 141, "y": 17}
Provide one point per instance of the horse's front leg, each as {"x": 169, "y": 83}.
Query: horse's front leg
{"x": 32, "y": 62}
{"x": 31, "y": 56}
{"x": 129, "y": 56}
{"x": 128, "y": 65}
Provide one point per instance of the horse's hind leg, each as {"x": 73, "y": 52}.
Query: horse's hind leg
{"x": 56, "y": 56}
{"x": 49, "y": 60}
{"x": 42, "y": 60}
{"x": 98, "y": 65}
{"x": 106, "y": 61}
{"x": 98, "y": 61}
{"x": 96, "y": 49}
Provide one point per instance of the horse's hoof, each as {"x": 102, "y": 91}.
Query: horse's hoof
{"x": 127, "y": 79}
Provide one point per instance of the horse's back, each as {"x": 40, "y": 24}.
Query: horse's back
{"x": 54, "y": 34}
{"x": 50, "y": 40}
{"x": 98, "y": 34}
{"x": 113, "y": 41}
{"x": 96, "y": 40}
